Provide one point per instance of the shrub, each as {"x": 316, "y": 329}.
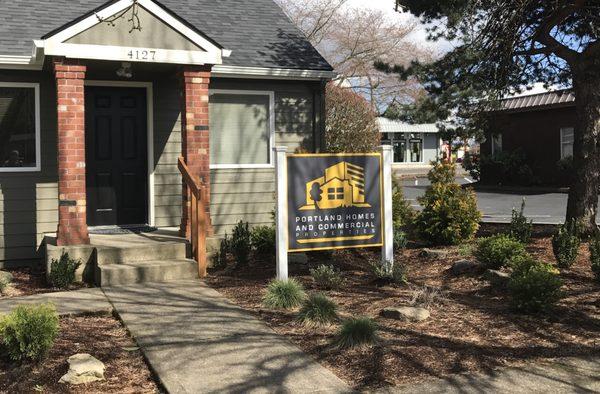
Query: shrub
{"x": 520, "y": 228}
{"x": 351, "y": 123}
{"x": 240, "y": 244}
{"x": 357, "y": 331}
{"x": 403, "y": 215}
{"x": 400, "y": 239}
{"x": 565, "y": 245}
{"x": 427, "y": 297}
{"x": 595, "y": 256}
{"x": 327, "y": 277}
{"x": 318, "y": 310}
{"x": 534, "y": 286}
{"x": 28, "y": 332}
{"x": 507, "y": 168}
{"x": 449, "y": 214}
{"x": 62, "y": 271}
{"x": 397, "y": 274}
{"x": 284, "y": 294}
{"x": 498, "y": 250}
{"x": 565, "y": 171}
{"x": 471, "y": 164}
{"x": 262, "y": 239}
{"x": 220, "y": 260}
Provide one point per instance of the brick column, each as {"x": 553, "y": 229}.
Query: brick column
{"x": 72, "y": 223}
{"x": 195, "y": 133}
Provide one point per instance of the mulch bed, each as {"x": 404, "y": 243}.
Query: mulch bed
{"x": 101, "y": 336}
{"x": 29, "y": 281}
{"x": 473, "y": 329}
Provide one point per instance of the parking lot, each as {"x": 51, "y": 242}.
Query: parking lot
{"x": 542, "y": 208}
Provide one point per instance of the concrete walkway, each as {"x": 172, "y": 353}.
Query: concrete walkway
{"x": 568, "y": 375}
{"x": 67, "y": 303}
{"x": 198, "y": 342}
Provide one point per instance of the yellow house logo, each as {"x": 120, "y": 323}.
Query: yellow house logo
{"x": 343, "y": 185}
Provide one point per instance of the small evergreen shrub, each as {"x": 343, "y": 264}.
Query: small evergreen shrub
{"x": 595, "y": 256}
{"x": 565, "y": 245}
{"x": 520, "y": 228}
{"x": 398, "y": 273}
{"x": 284, "y": 294}
{"x": 327, "y": 277}
{"x": 28, "y": 332}
{"x": 356, "y": 331}
{"x": 262, "y": 239}
{"x": 449, "y": 214}
{"x": 220, "y": 259}
{"x": 62, "y": 271}
{"x": 534, "y": 286}
{"x": 318, "y": 310}
{"x": 400, "y": 239}
{"x": 240, "y": 244}
{"x": 403, "y": 215}
{"x": 498, "y": 250}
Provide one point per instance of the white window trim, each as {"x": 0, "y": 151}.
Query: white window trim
{"x": 562, "y": 131}
{"x": 38, "y": 143}
{"x": 271, "y": 95}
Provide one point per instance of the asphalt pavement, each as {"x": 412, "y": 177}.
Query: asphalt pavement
{"x": 542, "y": 208}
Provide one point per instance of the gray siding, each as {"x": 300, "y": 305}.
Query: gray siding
{"x": 29, "y": 201}
{"x": 431, "y": 146}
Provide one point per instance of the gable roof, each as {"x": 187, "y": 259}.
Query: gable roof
{"x": 257, "y": 32}
{"x": 532, "y": 102}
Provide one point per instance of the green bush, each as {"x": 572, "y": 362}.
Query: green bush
{"x": 62, "y": 271}
{"x": 398, "y": 274}
{"x": 449, "y": 214}
{"x": 507, "y": 168}
{"x": 534, "y": 286}
{"x": 262, "y": 239}
{"x": 357, "y": 331}
{"x": 327, "y": 277}
{"x": 318, "y": 310}
{"x": 284, "y": 294}
{"x": 403, "y": 215}
{"x": 471, "y": 164}
{"x": 220, "y": 259}
{"x": 28, "y": 332}
{"x": 565, "y": 245}
{"x": 498, "y": 250}
{"x": 400, "y": 239}
{"x": 595, "y": 256}
{"x": 240, "y": 244}
{"x": 520, "y": 228}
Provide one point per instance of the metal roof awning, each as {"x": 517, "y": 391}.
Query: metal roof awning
{"x": 395, "y": 126}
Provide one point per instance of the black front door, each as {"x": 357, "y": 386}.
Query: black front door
{"x": 116, "y": 156}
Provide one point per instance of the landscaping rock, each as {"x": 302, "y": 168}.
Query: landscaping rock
{"x": 433, "y": 253}
{"x": 406, "y": 313}
{"x": 6, "y": 277}
{"x": 83, "y": 368}
{"x": 464, "y": 266}
{"x": 497, "y": 278}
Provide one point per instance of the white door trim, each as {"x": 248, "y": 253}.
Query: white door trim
{"x": 150, "y": 130}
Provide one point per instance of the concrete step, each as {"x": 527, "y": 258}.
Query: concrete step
{"x": 106, "y": 255}
{"x": 145, "y": 272}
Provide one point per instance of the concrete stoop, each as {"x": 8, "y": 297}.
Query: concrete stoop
{"x": 124, "y": 260}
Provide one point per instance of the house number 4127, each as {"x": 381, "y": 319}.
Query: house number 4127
{"x": 141, "y": 54}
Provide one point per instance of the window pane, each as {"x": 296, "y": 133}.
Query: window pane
{"x": 239, "y": 129}
{"x": 416, "y": 151}
{"x": 567, "y": 150}
{"x": 399, "y": 150}
{"x": 17, "y": 127}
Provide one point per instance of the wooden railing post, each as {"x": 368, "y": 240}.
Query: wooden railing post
{"x": 201, "y": 240}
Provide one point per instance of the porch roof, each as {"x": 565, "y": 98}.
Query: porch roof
{"x": 257, "y": 31}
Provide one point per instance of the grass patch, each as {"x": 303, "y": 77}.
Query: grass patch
{"x": 356, "y": 332}
{"x": 284, "y": 294}
{"x": 318, "y": 310}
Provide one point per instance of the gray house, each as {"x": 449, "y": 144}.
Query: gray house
{"x": 99, "y": 100}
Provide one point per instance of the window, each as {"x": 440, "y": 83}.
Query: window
{"x": 335, "y": 193}
{"x": 399, "y": 149}
{"x": 496, "y": 144}
{"x": 567, "y": 137}
{"x": 416, "y": 148}
{"x": 241, "y": 129}
{"x": 19, "y": 127}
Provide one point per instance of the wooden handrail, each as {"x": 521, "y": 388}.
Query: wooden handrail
{"x": 197, "y": 196}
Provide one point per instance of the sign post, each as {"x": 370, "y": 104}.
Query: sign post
{"x": 281, "y": 216}
{"x": 387, "y": 250}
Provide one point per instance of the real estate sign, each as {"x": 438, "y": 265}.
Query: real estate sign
{"x": 334, "y": 201}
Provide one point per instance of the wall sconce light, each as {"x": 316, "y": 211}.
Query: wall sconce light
{"x": 125, "y": 71}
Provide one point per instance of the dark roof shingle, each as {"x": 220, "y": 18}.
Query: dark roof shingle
{"x": 257, "y": 31}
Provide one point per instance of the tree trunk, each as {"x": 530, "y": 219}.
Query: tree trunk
{"x": 583, "y": 195}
